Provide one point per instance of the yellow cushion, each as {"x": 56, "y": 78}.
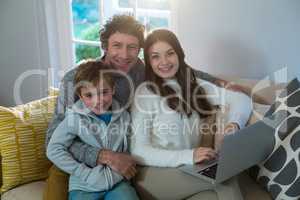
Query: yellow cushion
{"x": 22, "y": 142}
{"x": 53, "y": 91}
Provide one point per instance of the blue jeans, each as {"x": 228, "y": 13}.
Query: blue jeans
{"x": 121, "y": 191}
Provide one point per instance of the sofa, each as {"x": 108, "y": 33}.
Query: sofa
{"x": 151, "y": 183}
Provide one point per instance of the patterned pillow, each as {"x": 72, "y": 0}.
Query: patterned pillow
{"x": 280, "y": 172}
{"x": 22, "y": 142}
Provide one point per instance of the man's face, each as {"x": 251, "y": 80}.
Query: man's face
{"x": 122, "y": 51}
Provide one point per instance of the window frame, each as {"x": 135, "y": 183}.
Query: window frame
{"x": 64, "y": 28}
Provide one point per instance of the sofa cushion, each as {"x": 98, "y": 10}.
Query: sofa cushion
{"x": 261, "y": 91}
{"x": 22, "y": 142}
{"x": 172, "y": 184}
{"x": 228, "y": 190}
{"x": 279, "y": 173}
{"x": 207, "y": 195}
{"x": 250, "y": 189}
{"x": 167, "y": 183}
{"x": 31, "y": 191}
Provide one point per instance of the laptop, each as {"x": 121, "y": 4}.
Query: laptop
{"x": 241, "y": 150}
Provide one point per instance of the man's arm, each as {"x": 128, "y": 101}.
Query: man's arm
{"x": 205, "y": 76}
{"x": 221, "y": 82}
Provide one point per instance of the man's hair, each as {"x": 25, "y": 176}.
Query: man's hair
{"x": 90, "y": 72}
{"x": 124, "y": 24}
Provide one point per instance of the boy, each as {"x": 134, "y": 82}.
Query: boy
{"x": 95, "y": 120}
{"x": 122, "y": 33}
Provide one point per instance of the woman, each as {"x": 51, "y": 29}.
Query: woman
{"x": 172, "y": 106}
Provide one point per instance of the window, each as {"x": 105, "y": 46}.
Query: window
{"x": 85, "y": 28}
{"x": 88, "y": 16}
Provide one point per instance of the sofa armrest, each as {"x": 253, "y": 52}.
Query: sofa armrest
{"x": 261, "y": 91}
{"x": 250, "y": 189}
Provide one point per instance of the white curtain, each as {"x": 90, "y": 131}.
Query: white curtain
{"x": 59, "y": 33}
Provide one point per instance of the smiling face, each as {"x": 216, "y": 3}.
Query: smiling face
{"x": 163, "y": 59}
{"x": 122, "y": 51}
{"x": 98, "y": 99}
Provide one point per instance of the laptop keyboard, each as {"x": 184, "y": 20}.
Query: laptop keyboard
{"x": 210, "y": 171}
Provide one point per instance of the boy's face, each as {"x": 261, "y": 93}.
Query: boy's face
{"x": 98, "y": 99}
{"x": 122, "y": 51}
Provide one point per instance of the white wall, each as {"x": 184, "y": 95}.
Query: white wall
{"x": 245, "y": 38}
{"x": 23, "y": 47}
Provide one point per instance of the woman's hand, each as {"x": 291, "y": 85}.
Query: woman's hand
{"x": 122, "y": 163}
{"x": 202, "y": 154}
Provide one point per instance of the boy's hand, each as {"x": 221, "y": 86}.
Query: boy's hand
{"x": 122, "y": 163}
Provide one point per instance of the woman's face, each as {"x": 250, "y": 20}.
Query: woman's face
{"x": 163, "y": 59}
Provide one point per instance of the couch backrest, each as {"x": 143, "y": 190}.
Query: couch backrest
{"x": 261, "y": 91}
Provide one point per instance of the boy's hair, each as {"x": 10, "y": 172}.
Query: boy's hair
{"x": 124, "y": 24}
{"x": 91, "y": 72}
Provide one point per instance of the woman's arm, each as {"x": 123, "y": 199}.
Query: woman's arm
{"x": 221, "y": 82}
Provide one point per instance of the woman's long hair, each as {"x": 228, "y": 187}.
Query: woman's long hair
{"x": 187, "y": 102}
